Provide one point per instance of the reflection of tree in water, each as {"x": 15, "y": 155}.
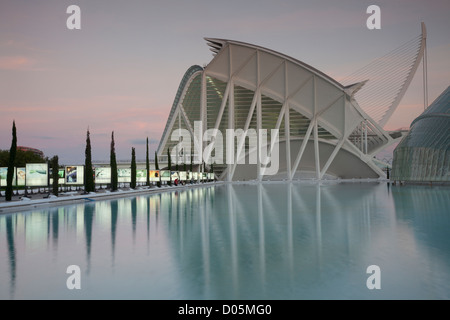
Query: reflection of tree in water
{"x": 88, "y": 222}
{"x": 11, "y": 253}
{"x": 133, "y": 217}
{"x": 114, "y": 215}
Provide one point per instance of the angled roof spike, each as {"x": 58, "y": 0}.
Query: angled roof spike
{"x": 215, "y": 44}
{"x": 354, "y": 88}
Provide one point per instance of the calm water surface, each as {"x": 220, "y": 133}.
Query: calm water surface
{"x": 242, "y": 241}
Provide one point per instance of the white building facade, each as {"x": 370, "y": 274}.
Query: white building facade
{"x": 309, "y": 125}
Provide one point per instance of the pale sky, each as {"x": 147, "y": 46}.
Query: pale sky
{"x": 122, "y": 69}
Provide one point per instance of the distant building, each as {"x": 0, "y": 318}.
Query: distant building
{"x": 424, "y": 154}
{"x": 35, "y": 151}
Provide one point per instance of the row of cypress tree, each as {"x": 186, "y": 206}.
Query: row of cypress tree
{"x": 89, "y": 173}
{"x": 89, "y": 183}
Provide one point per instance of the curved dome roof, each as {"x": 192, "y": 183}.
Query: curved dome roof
{"x": 439, "y": 108}
{"x": 423, "y": 154}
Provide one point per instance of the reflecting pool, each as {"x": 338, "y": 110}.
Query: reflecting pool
{"x": 235, "y": 241}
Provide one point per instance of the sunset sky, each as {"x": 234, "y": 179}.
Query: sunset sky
{"x": 122, "y": 69}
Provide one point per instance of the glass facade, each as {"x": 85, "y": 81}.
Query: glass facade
{"x": 423, "y": 155}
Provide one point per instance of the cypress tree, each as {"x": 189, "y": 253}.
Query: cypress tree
{"x": 89, "y": 184}
{"x": 113, "y": 164}
{"x": 11, "y": 164}
{"x": 147, "y": 166}
{"x": 169, "y": 164}
{"x": 156, "y": 162}
{"x": 133, "y": 169}
{"x": 55, "y": 175}
{"x": 157, "y": 168}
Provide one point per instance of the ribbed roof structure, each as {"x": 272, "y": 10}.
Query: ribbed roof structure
{"x": 311, "y": 122}
{"x": 424, "y": 154}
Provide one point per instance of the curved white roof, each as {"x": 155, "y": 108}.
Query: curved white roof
{"x": 217, "y": 44}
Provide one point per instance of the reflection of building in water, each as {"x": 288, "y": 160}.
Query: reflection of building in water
{"x": 236, "y": 241}
{"x": 413, "y": 204}
{"x": 251, "y": 242}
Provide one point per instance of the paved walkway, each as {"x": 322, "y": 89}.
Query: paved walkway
{"x": 42, "y": 200}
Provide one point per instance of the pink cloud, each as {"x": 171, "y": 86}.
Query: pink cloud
{"x": 15, "y": 63}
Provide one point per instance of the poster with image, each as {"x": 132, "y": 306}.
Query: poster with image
{"x": 21, "y": 175}
{"x": 165, "y": 175}
{"x": 74, "y": 174}
{"x": 3, "y": 174}
{"x": 141, "y": 175}
{"x": 61, "y": 173}
{"x": 124, "y": 175}
{"x": 154, "y": 175}
{"x": 36, "y": 174}
{"x": 102, "y": 175}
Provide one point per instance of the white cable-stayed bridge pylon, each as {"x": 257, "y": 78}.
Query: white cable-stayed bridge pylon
{"x": 388, "y": 79}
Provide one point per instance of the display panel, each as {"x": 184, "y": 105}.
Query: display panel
{"x": 154, "y": 175}
{"x": 141, "y": 175}
{"x": 61, "y": 173}
{"x": 102, "y": 175}
{"x": 124, "y": 175}
{"x": 183, "y": 175}
{"x": 165, "y": 175}
{"x": 3, "y": 175}
{"x": 21, "y": 175}
{"x": 36, "y": 174}
{"x": 74, "y": 175}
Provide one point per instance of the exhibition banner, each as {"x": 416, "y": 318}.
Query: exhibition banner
{"x": 124, "y": 175}
{"x": 102, "y": 175}
{"x": 21, "y": 174}
{"x": 74, "y": 175}
{"x": 141, "y": 175}
{"x": 165, "y": 175}
{"x": 3, "y": 175}
{"x": 36, "y": 174}
{"x": 154, "y": 175}
{"x": 61, "y": 179}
